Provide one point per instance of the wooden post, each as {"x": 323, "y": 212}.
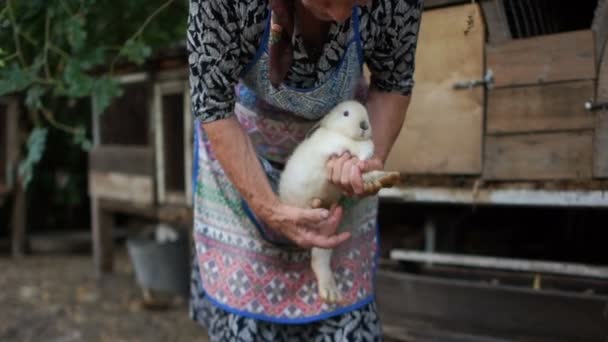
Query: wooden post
{"x": 18, "y": 221}
{"x": 103, "y": 243}
{"x": 496, "y": 21}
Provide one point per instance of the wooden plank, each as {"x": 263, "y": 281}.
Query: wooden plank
{"x": 539, "y": 156}
{"x": 133, "y": 188}
{"x": 128, "y": 160}
{"x": 442, "y": 133}
{"x": 496, "y": 21}
{"x": 428, "y": 4}
{"x": 551, "y": 107}
{"x": 175, "y": 214}
{"x": 600, "y": 143}
{"x": 559, "y": 57}
{"x": 600, "y": 147}
{"x": 508, "y": 264}
{"x": 510, "y": 195}
{"x": 498, "y": 311}
{"x": 3, "y": 144}
{"x": 19, "y": 221}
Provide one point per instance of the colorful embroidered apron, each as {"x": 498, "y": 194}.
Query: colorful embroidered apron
{"x": 246, "y": 269}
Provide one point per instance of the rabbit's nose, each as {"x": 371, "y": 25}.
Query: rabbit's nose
{"x": 364, "y": 126}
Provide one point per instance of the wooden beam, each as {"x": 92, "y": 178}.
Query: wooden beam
{"x": 507, "y": 264}
{"x": 428, "y": 4}
{"x": 539, "y": 156}
{"x": 600, "y": 143}
{"x": 18, "y": 221}
{"x": 510, "y": 196}
{"x": 551, "y": 107}
{"x": 496, "y": 21}
{"x": 110, "y": 185}
{"x": 560, "y": 57}
{"x": 102, "y": 233}
{"x": 482, "y": 309}
{"x": 127, "y": 160}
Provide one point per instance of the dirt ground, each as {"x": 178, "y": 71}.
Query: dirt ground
{"x": 57, "y": 298}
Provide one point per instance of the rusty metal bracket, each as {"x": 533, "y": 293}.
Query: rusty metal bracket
{"x": 487, "y": 81}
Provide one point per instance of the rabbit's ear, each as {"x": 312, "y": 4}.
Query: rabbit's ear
{"x": 313, "y": 129}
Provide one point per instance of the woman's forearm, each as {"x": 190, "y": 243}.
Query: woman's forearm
{"x": 387, "y": 113}
{"x": 237, "y": 156}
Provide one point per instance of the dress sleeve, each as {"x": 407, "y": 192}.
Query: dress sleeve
{"x": 216, "y": 51}
{"x": 392, "y": 60}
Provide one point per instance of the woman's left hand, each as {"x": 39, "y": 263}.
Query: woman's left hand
{"x": 346, "y": 170}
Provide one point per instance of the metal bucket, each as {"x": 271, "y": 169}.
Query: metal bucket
{"x": 161, "y": 266}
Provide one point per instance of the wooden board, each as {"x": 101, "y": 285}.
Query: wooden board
{"x": 559, "y": 57}
{"x": 600, "y": 148}
{"x": 516, "y": 314}
{"x": 3, "y": 143}
{"x": 135, "y": 188}
{"x": 539, "y": 156}
{"x": 443, "y": 129}
{"x": 122, "y": 159}
{"x": 558, "y": 106}
{"x": 496, "y": 21}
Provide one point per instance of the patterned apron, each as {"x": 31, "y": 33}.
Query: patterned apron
{"x": 246, "y": 269}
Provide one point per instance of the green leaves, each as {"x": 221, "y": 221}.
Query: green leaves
{"x": 75, "y": 31}
{"x": 136, "y": 51}
{"x": 104, "y": 91}
{"x": 36, "y": 144}
{"x": 14, "y": 79}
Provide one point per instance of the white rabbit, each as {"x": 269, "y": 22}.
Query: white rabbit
{"x": 304, "y": 180}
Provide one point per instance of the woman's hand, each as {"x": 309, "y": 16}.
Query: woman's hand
{"x": 307, "y": 227}
{"x": 345, "y": 171}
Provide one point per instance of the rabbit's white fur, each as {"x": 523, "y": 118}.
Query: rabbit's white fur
{"x": 345, "y": 128}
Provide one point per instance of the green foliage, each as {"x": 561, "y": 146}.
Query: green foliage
{"x": 51, "y": 49}
{"x": 36, "y": 144}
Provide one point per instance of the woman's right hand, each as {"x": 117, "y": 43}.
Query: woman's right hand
{"x": 307, "y": 227}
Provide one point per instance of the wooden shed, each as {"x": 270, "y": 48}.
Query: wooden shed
{"x": 141, "y": 162}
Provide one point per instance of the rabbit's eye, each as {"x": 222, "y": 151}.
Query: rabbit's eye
{"x": 345, "y": 113}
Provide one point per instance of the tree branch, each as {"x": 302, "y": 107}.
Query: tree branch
{"x": 48, "y": 115}
{"x": 141, "y": 30}
{"x": 47, "y": 30}
{"x": 16, "y": 31}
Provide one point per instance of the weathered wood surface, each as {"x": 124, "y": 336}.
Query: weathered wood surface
{"x": 109, "y": 185}
{"x": 102, "y": 227}
{"x": 19, "y": 221}
{"x": 443, "y": 129}
{"x": 539, "y": 156}
{"x": 127, "y": 160}
{"x": 560, "y": 57}
{"x": 176, "y": 214}
{"x": 549, "y": 107}
{"x": 496, "y": 311}
{"x": 496, "y": 21}
{"x": 600, "y": 27}
{"x": 600, "y": 147}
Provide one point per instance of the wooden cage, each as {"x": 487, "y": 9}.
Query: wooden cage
{"x": 507, "y": 93}
{"x": 141, "y": 162}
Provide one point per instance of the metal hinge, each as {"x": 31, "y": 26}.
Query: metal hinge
{"x": 488, "y": 82}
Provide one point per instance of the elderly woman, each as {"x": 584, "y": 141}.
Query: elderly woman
{"x": 262, "y": 73}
